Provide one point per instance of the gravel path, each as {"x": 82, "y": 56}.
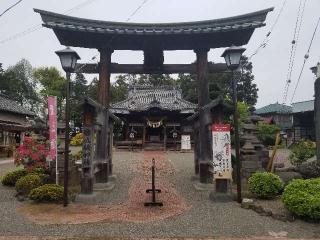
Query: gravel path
{"x": 204, "y": 219}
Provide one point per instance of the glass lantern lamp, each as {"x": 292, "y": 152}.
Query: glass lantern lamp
{"x": 68, "y": 59}
{"x": 232, "y": 56}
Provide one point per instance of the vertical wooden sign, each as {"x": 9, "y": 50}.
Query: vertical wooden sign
{"x": 221, "y": 146}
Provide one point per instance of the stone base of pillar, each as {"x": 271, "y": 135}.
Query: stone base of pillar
{"x": 110, "y": 168}
{"x": 221, "y": 197}
{"x": 195, "y": 178}
{"x": 86, "y": 198}
{"x": 221, "y": 185}
{"x": 103, "y": 187}
{"x": 203, "y": 187}
{"x": 103, "y": 172}
{"x": 204, "y": 172}
{"x": 112, "y": 178}
{"x": 86, "y": 185}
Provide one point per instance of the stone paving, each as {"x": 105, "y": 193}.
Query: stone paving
{"x": 204, "y": 219}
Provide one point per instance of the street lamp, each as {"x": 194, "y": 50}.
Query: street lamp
{"x": 68, "y": 59}
{"x": 232, "y": 57}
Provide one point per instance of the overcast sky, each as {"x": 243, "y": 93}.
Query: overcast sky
{"x": 270, "y": 64}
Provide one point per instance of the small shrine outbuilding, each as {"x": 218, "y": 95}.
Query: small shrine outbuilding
{"x": 155, "y": 116}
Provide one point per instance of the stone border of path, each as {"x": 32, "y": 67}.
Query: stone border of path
{"x": 6, "y": 161}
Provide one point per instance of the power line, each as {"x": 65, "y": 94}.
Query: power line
{"x": 8, "y": 9}
{"x": 113, "y": 37}
{"x": 306, "y": 57}
{"x": 137, "y": 9}
{"x": 79, "y": 6}
{"x": 39, "y": 26}
{"x": 266, "y": 40}
{"x": 294, "y": 45}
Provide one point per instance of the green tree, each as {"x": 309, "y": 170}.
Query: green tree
{"x": 188, "y": 86}
{"x": 79, "y": 90}
{"x": 220, "y": 84}
{"x": 92, "y": 91}
{"x": 119, "y": 88}
{"x": 52, "y": 84}
{"x": 18, "y": 83}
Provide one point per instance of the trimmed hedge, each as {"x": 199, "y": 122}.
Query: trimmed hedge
{"x": 25, "y": 184}
{"x": 47, "y": 193}
{"x": 10, "y": 178}
{"x": 302, "y": 198}
{"x": 265, "y": 185}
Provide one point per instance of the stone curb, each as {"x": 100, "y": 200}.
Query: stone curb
{"x": 267, "y": 212}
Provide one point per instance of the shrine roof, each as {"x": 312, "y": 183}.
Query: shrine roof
{"x": 9, "y": 105}
{"x": 143, "y": 98}
{"x": 80, "y": 32}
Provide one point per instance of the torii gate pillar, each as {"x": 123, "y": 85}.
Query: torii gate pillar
{"x": 103, "y": 151}
{"x": 204, "y": 132}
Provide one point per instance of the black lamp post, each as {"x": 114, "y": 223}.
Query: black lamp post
{"x": 232, "y": 56}
{"x": 68, "y": 59}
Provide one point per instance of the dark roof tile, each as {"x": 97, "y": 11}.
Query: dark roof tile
{"x": 142, "y": 98}
{"x": 8, "y": 105}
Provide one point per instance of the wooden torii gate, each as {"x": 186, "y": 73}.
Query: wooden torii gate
{"x": 153, "y": 40}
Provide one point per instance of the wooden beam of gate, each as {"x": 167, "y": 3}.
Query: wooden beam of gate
{"x": 116, "y": 68}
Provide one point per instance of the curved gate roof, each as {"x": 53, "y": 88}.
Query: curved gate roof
{"x": 224, "y": 32}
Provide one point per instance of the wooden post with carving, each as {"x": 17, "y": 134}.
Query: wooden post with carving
{"x": 87, "y": 150}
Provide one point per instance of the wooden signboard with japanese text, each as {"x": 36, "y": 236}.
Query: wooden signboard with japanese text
{"x": 185, "y": 142}
{"x": 221, "y": 147}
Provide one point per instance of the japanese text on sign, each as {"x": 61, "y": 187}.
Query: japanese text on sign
{"x": 221, "y": 146}
{"x": 185, "y": 142}
{"x": 52, "y": 111}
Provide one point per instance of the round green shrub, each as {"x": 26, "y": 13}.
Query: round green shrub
{"x": 47, "y": 193}
{"x": 10, "y": 178}
{"x": 302, "y": 198}
{"x": 25, "y": 184}
{"x": 265, "y": 185}
{"x": 45, "y": 178}
{"x": 301, "y": 152}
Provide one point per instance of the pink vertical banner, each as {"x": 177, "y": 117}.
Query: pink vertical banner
{"x": 52, "y": 110}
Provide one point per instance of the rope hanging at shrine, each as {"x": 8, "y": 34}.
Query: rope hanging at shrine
{"x": 155, "y": 124}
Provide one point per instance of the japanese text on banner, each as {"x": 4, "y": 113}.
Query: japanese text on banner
{"x": 52, "y": 110}
{"x": 221, "y": 146}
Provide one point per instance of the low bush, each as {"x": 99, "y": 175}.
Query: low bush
{"x": 25, "y": 184}
{"x": 265, "y": 185}
{"x": 10, "y": 178}
{"x": 302, "y": 198}
{"x": 47, "y": 193}
{"x": 302, "y": 151}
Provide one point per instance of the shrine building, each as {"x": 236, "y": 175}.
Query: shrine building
{"x": 153, "y": 117}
